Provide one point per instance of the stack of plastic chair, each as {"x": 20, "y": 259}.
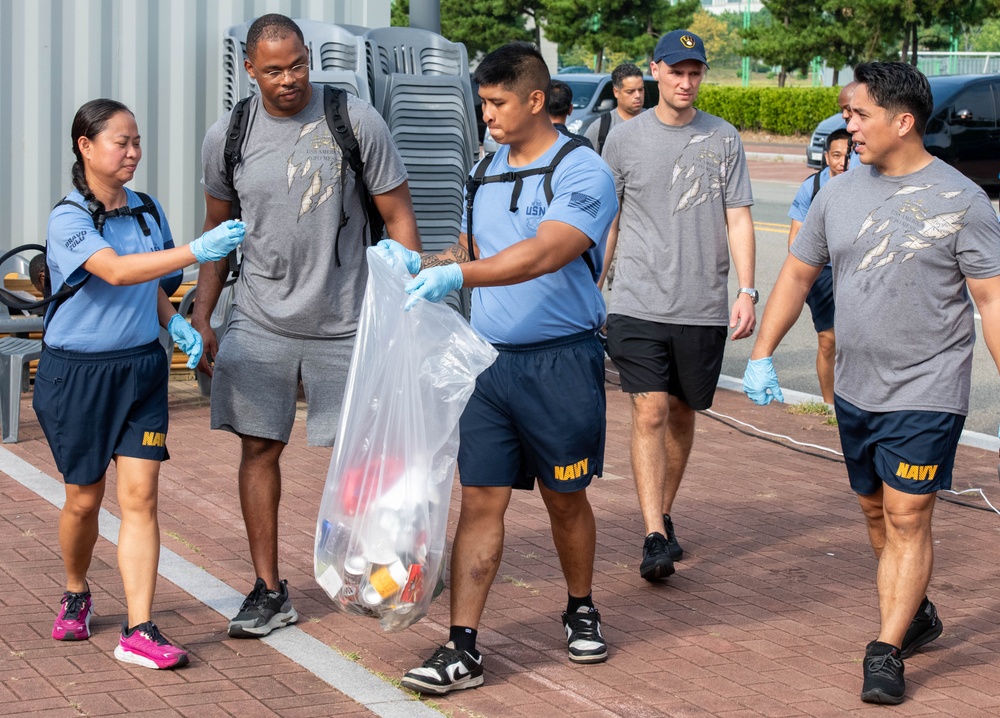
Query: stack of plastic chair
{"x": 236, "y": 81}
{"x": 422, "y": 88}
{"x": 338, "y": 57}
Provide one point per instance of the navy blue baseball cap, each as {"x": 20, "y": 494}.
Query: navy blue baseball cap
{"x": 680, "y": 45}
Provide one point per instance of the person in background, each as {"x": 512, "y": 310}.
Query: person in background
{"x": 101, "y": 386}
{"x": 630, "y": 95}
{"x": 559, "y": 104}
{"x": 820, "y": 298}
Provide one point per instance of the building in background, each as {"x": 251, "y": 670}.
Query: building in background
{"x": 162, "y": 58}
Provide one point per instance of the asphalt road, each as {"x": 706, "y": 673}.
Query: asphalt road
{"x": 795, "y": 359}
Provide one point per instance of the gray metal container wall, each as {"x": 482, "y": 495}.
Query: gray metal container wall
{"x": 162, "y": 58}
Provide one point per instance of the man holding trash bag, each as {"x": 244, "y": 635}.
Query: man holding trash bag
{"x": 542, "y": 209}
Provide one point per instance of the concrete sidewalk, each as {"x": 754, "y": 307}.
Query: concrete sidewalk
{"x": 767, "y": 615}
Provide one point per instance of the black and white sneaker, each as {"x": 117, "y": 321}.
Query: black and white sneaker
{"x": 449, "y": 669}
{"x": 263, "y": 611}
{"x": 883, "y": 675}
{"x": 924, "y": 628}
{"x": 583, "y": 635}
{"x": 656, "y": 561}
{"x": 674, "y": 548}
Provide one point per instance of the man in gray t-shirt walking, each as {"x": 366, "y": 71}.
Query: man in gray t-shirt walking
{"x": 301, "y": 283}
{"x": 684, "y": 190}
{"x": 907, "y": 234}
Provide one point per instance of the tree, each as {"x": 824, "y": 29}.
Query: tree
{"x": 987, "y": 37}
{"x": 628, "y": 26}
{"x": 481, "y": 25}
{"x": 790, "y": 40}
{"x": 722, "y": 47}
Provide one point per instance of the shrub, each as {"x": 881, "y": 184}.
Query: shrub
{"x": 779, "y": 110}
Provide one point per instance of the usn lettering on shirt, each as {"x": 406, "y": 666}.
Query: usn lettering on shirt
{"x": 153, "y": 438}
{"x": 915, "y": 472}
{"x": 571, "y": 471}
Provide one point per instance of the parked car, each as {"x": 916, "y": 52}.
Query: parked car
{"x": 592, "y": 95}
{"x": 963, "y": 129}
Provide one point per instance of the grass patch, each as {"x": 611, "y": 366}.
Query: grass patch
{"x": 177, "y": 537}
{"x": 832, "y": 421}
{"x": 810, "y": 408}
{"x": 514, "y": 581}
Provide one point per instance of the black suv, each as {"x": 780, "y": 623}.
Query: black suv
{"x": 963, "y": 129}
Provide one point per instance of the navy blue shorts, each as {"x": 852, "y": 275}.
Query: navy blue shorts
{"x": 911, "y": 451}
{"x": 820, "y": 300}
{"x": 93, "y": 406}
{"x": 538, "y": 411}
{"x": 682, "y": 360}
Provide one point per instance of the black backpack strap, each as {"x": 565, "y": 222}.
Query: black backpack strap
{"x": 816, "y": 185}
{"x": 232, "y": 152}
{"x": 472, "y": 184}
{"x": 479, "y": 177}
{"x": 603, "y": 132}
{"x": 339, "y": 120}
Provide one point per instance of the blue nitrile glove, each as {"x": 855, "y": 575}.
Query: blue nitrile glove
{"x": 760, "y": 382}
{"x": 218, "y": 242}
{"x": 392, "y": 252}
{"x": 185, "y": 336}
{"x": 433, "y": 284}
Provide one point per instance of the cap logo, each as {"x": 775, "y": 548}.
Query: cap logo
{"x": 687, "y": 41}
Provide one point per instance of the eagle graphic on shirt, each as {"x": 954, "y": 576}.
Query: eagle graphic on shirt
{"x": 313, "y": 167}
{"x": 904, "y": 228}
{"x": 699, "y": 186}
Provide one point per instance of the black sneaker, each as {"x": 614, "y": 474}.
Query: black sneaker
{"x": 449, "y": 669}
{"x": 883, "y": 674}
{"x": 676, "y": 552}
{"x": 656, "y": 561}
{"x": 924, "y": 628}
{"x": 263, "y": 611}
{"x": 583, "y": 635}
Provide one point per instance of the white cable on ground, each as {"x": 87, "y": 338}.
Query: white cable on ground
{"x": 768, "y": 433}
{"x": 973, "y": 491}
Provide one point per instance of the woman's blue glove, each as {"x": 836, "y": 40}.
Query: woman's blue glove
{"x": 218, "y": 242}
{"x": 185, "y": 336}
{"x": 392, "y": 252}
{"x": 433, "y": 284}
{"x": 760, "y": 382}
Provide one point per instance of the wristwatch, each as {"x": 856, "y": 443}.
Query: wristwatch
{"x": 751, "y": 292}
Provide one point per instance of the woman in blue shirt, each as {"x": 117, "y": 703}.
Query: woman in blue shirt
{"x": 101, "y": 386}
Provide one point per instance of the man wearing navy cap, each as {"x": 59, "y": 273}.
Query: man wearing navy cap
{"x": 684, "y": 189}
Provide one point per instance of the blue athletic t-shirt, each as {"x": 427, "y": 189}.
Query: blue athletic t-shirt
{"x": 563, "y": 302}
{"x": 101, "y": 317}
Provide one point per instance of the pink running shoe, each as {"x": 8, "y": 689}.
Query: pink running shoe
{"x": 73, "y": 621}
{"x": 145, "y": 646}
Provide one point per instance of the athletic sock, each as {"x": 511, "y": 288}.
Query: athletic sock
{"x": 464, "y": 638}
{"x": 575, "y": 603}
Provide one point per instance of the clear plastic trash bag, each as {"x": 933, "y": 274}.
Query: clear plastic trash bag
{"x": 381, "y": 532}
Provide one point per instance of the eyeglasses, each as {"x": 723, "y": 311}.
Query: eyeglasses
{"x": 296, "y": 72}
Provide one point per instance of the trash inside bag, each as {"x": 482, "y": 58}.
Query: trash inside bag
{"x": 381, "y": 531}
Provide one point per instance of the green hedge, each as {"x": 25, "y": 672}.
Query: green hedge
{"x": 781, "y": 110}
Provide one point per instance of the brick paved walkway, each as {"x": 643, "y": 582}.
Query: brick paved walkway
{"x": 767, "y": 615}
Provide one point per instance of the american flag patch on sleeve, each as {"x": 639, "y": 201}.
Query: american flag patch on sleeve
{"x": 588, "y": 204}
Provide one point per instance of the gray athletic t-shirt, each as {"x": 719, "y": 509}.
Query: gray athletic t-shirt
{"x": 674, "y": 186}
{"x": 901, "y": 249}
{"x": 289, "y": 184}
{"x": 594, "y": 130}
